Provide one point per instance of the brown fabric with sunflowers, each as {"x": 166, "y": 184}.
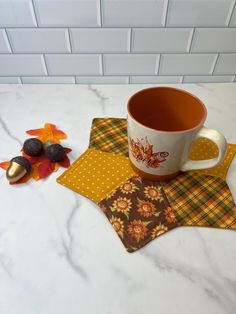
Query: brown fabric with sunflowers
{"x": 139, "y": 212}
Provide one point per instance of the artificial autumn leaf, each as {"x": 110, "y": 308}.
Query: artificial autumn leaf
{"x": 34, "y": 172}
{"x": 48, "y": 133}
{"x": 34, "y": 160}
{"x": 4, "y": 165}
{"x": 44, "y": 167}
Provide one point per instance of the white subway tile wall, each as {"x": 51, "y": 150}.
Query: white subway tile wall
{"x": 137, "y": 64}
{"x": 161, "y": 40}
{"x": 21, "y": 64}
{"x": 122, "y": 13}
{"x": 4, "y": 44}
{"x": 39, "y": 40}
{"x": 102, "y": 79}
{"x": 185, "y": 64}
{"x": 74, "y": 64}
{"x": 90, "y": 40}
{"x": 226, "y": 64}
{"x": 199, "y": 12}
{"x": 48, "y": 79}
{"x": 233, "y": 18}
{"x": 117, "y": 41}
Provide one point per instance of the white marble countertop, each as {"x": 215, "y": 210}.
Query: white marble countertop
{"x": 58, "y": 253}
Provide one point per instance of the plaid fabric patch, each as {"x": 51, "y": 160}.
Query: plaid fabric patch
{"x": 109, "y": 135}
{"x": 201, "y": 200}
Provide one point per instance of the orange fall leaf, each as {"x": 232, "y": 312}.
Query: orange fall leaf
{"x": 48, "y": 133}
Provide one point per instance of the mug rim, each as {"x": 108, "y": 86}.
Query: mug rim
{"x": 168, "y": 88}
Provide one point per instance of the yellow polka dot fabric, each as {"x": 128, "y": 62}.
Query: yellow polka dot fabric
{"x": 110, "y": 135}
{"x": 206, "y": 149}
{"x": 95, "y": 174}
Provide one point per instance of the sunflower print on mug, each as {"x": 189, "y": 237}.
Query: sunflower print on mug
{"x": 142, "y": 151}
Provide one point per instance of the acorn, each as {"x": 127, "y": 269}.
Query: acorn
{"x": 54, "y": 152}
{"x": 33, "y": 147}
{"x": 18, "y": 168}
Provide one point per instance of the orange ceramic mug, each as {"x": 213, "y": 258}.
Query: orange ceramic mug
{"x": 163, "y": 122}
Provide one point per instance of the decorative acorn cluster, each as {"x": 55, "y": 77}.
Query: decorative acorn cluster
{"x": 33, "y": 147}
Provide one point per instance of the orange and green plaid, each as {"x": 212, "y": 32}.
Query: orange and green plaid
{"x": 201, "y": 200}
{"x": 109, "y": 135}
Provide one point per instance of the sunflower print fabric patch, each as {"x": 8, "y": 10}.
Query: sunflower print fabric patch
{"x": 139, "y": 212}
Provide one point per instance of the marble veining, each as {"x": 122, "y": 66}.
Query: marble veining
{"x": 58, "y": 253}
{"x": 100, "y": 96}
{"x": 8, "y": 132}
{"x": 69, "y": 246}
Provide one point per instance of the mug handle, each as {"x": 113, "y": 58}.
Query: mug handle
{"x": 221, "y": 143}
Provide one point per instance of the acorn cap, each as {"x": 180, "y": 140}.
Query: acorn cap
{"x": 33, "y": 147}
{"x": 24, "y": 162}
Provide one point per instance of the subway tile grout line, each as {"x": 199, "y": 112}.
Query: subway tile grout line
{"x": 167, "y": 12}
{"x": 214, "y": 65}
{"x": 70, "y": 42}
{"x": 191, "y": 41}
{"x": 118, "y": 53}
{"x": 9, "y": 41}
{"x": 159, "y": 65}
{"x": 45, "y": 63}
{"x": 102, "y": 60}
{"x": 101, "y": 16}
{"x": 231, "y": 14}
{"x": 131, "y": 40}
{"x": 119, "y": 27}
{"x": 114, "y": 75}
{"x": 36, "y": 18}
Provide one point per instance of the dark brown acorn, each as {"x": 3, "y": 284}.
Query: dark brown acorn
{"x": 48, "y": 143}
{"x": 18, "y": 168}
{"x": 54, "y": 152}
{"x": 33, "y": 147}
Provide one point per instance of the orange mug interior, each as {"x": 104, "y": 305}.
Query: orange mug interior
{"x": 167, "y": 109}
